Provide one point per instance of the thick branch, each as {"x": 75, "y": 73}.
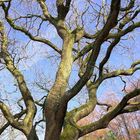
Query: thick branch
{"x": 122, "y": 33}
{"x": 116, "y": 41}
{"x": 116, "y": 73}
{"x": 85, "y": 109}
{"x": 62, "y": 9}
{"x": 104, "y": 121}
{"x": 111, "y": 22}
{"x": 16, "y": 116}
{"x": 45, "y": 11}
{"x": 125, "y": 31}
{"x": 128, "y": 72}
{"x": 2, "y": 1}
{"x": 131, "y": 107}
{"x": 10, "y": 117}
{"x": 28, "y": 100}
{"x": 130, "y": 6}
{"x": 119, "y": 34}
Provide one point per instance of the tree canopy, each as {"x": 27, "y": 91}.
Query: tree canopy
{"x": 66, "y": 48}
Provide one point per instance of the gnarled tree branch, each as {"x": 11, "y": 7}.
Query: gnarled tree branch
{"x": 104, "y": 121}
{"x": 111, "y": 22}
{"x": 28, "y": 100}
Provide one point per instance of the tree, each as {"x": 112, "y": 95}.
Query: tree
{"x": 81, "y": 46}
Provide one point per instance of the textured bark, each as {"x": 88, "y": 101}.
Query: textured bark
{"x": 32, "y": 135}
{"x": 70, "y": 133}
{"x": 55, "y": 104}
{"x": 54, "y": 120}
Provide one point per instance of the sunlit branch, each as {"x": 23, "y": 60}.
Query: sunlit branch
{"x": 2, "y": 1}
{"x": 117, "y": 35}
{"x": 85, "y": 109}
{"x": 131, "y": 107}
{"x": 16, "y": 116}
{"x": 28, "y": 100}
{"x": 122, "y": 33}
{"x": 45, "y": 10}
{"x": 122, "y": 72}
{"x": 10, "y": 117}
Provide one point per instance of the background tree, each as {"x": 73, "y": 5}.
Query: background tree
{"x": 86, "y": 33}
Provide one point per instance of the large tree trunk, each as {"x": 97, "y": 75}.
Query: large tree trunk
{"x": 55, "y": 114}
{"x": 55, "y": 104}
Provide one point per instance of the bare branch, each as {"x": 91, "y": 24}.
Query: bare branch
{"x": 26, "y": 32}
{"x": 131, "y": 107}
{"x": 2, "y": 1}
{"x": 111, "y": 22}
{"x": 62, "y": 9}
{"x": 28, "y": 100}
{"x": 85, "y": 109}
{"x": 107, "y": 56}
{"x": 127, "y": 72}
{"x": 104, "y": 104}
{"x": 122, "y": 33}
{"x": 16, "y": 116}
{"x": 104, "y": 121}
{"x": 10, "y": 117}
{"x": 130, "y": 6}
{"x": 45, "y": 10}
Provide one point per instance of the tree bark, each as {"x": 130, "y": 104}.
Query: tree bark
{"x": 32, "y": 135}
{"x": 54, "y": 120}
{"x": 56, "y": 103}
{"x": 70, "y": 133}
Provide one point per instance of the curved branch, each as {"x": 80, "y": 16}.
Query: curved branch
{"x": 119, "y": 34}
{"x": 2, "y": 1}
{"x": 131, "y": 107}
{"x": 62, "y": 9}
{"x": 78, "y": 113}
{"x": 107, "y": 56}
{"x": 111, "y": 22}
{"x": 16, "y": 116}
{"x": 125, "y": 31}
{"x": 130, "y": 6}
{"x": 45, "y": 11}
{"x": 27, "y": 97}
{"x": 26, "y": 32}
{"x": 104, "y": 121}
{"x": 128, "y": 72}
{"x": 104, "y": 104}
{"x": 10, "y": 117}
{"x": 116, "y": 73}
{"x": 122, "y": 33}
{"x": 116, "y": 41}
